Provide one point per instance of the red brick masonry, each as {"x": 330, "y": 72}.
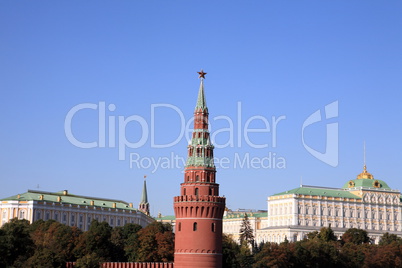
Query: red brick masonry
{"x": 129, "y": 265}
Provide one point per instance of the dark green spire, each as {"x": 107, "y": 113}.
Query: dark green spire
{"x": 201, "y": 101}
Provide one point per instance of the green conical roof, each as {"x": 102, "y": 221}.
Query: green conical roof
{"x": 201, "y": 101}
{"x": 144, "y": 196}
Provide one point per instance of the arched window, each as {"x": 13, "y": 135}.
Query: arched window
{"x": 197, "y": 178}
{"x": 196, "y": 191}
{"x": 184, "y": 191}
{"x": 179, "y": 227}
{"x": 210, "y": 191}
{"x": 194, "y": 226}
{"x": 213, "y": 227}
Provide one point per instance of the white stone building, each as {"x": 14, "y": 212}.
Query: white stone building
{"x": 73, "y": 210}
{"x": 232, "y": 221}
{"x": 363, "y": 203}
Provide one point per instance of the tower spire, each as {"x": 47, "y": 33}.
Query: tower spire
{"x": 364, "y": 154}
{"x": 144, "y": 205}
{"x": 365, "y": 174}
{"x": 201, "y": 102}
{"x": 199, "y": 208}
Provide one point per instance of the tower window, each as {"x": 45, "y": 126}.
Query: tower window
{"x": 184, "y": 191}
{"x": 213, "y": 227}
{"x": 194, "y": 226}
{"x": 179, "y": 227}
{"x": 196, "y": 191}
{"x": 197, "y": 178}
{"x": 210, "y": 191}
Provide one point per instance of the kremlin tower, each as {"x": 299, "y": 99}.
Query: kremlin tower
{"x": 144, "y": 205}
{"x": 199, "y": 208}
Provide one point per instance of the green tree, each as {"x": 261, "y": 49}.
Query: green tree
{"x": 312, "y": 235}
{"x": 388, "y": 238}
{"x": 130, "y": 232}
{"x": 246, "y": 258}
{"x": 317, "y": 253}
{"x": 16, "y": 244}
{"x": 246, "y": 232}
{"x": 96, "y": 240}
{"x": 353, "y": 255}
{"x": 118, "y": 240}
{"x": 355, "y": 236}
{"x": 230, "y": 252}
{"x": 54, "y": 244}
{"x": 326, "y": 234}
{"x": 156, "y": 243}
{"x": 90, "y": 260}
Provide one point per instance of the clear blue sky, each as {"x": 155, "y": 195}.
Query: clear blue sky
{"x": 275, "y": 58}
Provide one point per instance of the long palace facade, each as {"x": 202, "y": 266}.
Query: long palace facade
{"x": 364, "y": 203}
{"x": 69, "y": 209}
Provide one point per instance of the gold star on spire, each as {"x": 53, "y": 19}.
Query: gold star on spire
{"x": 201, "y": 74}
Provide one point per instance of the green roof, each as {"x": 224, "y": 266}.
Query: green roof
{"x": 166, "y": 218}
{"x": 249, "y": 214}
{"x": 67, "y": 198}
{"x": 366, "y": 183}
{"x": 319, "y": 191}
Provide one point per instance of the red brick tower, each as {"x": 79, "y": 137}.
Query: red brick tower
{"x": 199, "y": 208}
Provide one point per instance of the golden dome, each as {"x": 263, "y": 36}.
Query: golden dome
{"x": 365, "y": 174}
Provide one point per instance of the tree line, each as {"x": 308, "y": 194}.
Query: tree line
{"x": 52, "y": 244}
{"x": 319, "y": 249}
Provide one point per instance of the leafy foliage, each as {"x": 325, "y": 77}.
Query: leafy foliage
{"x": 51, "y": 244}
{"x": 231, "y": 252}
{"x": 156, "y": 243}
{"x": 355, "y": 236}
{"x": 16, "y": 245}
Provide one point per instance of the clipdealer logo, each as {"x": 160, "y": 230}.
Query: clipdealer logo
{"x": 112, "y": 134}
{"x": 331, "y": 154}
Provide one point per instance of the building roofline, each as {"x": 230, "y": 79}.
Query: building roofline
{"x": 79, "y": 196}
